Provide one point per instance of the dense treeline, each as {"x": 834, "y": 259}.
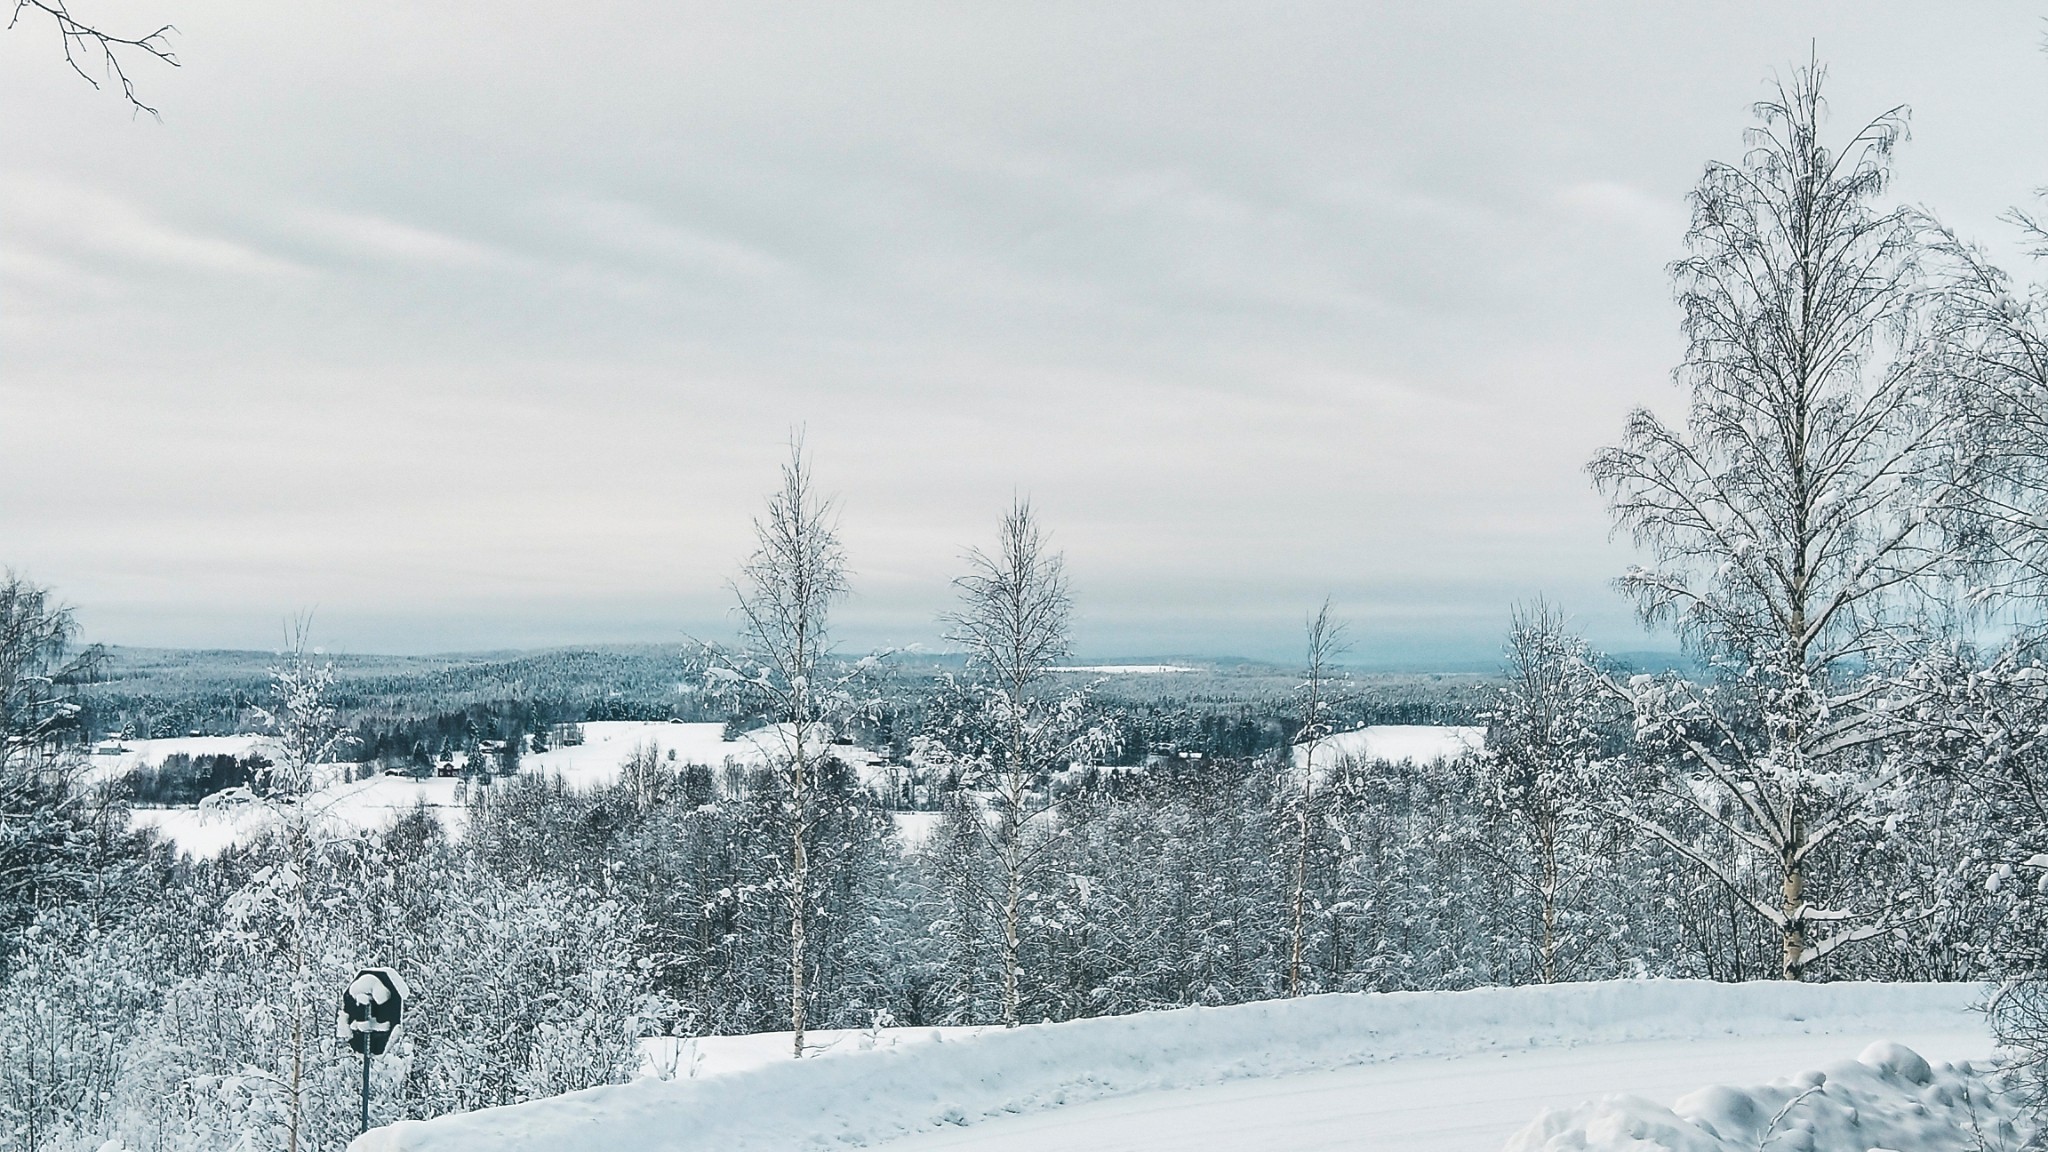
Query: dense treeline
{"x": 563, "y": 924}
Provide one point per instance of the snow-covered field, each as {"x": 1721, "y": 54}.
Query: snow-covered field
{"x": 373, "y": 803}
{"x": 1414, "y": 743}
{"x": 352, "y": 806}
{"x": 113, "y": 759}
{"x": 606, "y": 745}
{"x": 1398, "y": 1071}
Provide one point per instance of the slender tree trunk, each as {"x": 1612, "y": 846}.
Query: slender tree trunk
{"x": 1795, "y": 919}
{"x": 1013, "y": 849}
{"x": 301, "y": 859}
{"x": 1300, "y": 901}
{"x": 1013, "y": 899}
{"x": 1547, "y": 839}
{"x": 799, "y": 895}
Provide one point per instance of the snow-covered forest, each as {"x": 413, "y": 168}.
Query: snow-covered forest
{"x": 1849, "y": 780}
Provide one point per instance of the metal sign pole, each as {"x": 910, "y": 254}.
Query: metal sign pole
{"x": 366, "y": 1087}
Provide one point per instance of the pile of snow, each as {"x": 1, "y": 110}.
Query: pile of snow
{"x": 1396, "y": 743}
{"x": 853, "y": 1097}
{"x": 1887, "y": 1098}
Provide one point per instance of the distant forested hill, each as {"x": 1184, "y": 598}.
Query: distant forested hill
{"x": 1217, "y": 707}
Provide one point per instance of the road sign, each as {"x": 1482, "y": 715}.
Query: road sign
{"x": 370, "y": 1010}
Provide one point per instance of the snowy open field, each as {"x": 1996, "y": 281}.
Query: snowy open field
{"x": 113, "y": 759}
{"x": 1403, "y": 1071}
{"x": 373, "y": 803}
{"x": 1396, "y": 743}
{"x": 370, "y": 804}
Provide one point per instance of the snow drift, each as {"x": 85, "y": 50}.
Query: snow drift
{"x": 858, "y": 1097}
{"x": 1887, "y": 1098}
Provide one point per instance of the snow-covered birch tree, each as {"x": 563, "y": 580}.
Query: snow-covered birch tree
{"x": 1547, "y": 735}
{"x": 1796, "y": 511}
{"x": 1325, "y": 643}
{"x": 40, "y": 809}
{"x": 273, "y": 915}
{"x": 784, "y": 598}
{"x": 1012, "y": 622}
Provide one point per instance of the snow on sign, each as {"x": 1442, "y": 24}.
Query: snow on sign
{"x": 370, "y": 1010}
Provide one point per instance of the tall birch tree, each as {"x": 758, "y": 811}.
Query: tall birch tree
{"x": 1547, "y": 735}
{"x": 1325, "y": 643}
{"x": 1795, "y": 511}
{"x": 1012, "y": 622}
{"x": 784, "y": 598}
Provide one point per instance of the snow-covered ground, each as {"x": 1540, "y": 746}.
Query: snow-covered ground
{"x": 607, "y": 744}
{"x": 113, "y": 759}
{"x": 373, "y": 803}
{"x": 1400, "y": 1071}
{"x": 1889, "y": 1097}
{"x": 1414, "y": 743}
{"x": 209, "y": 830}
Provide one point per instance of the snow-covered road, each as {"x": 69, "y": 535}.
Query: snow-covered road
{"x": 1436, "y": 1104}
{"x": 1404, "y": 1070}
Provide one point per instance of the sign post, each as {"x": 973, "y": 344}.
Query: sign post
{"x": 370, "y": 1011}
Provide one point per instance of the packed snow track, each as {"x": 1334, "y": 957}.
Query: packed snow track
{"x": 1459, "y": 1070}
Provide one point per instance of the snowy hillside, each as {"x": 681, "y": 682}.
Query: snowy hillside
{"x": 992, "y": 1082}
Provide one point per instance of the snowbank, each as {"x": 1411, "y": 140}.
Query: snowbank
{"x": 1887, "y": 1098}
{"x": 851, "y": 1098}
{"x": 673, "y": 1057}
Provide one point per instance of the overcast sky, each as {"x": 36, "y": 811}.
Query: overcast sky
{"x": 483, "y": 324}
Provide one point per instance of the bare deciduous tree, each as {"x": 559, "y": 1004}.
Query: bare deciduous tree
{"x": 1012, "y": 622}
{"x": 89, "y": 44}
{"x": 1326, "y": 642}
{"x": 785, "y": 597}
{"x": 1546, "y": 735}
{"x": 39, "y": 667}
{"x": 1798, "y": 507}
{"x": 40, "y": 808}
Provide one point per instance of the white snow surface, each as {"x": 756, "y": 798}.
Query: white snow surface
{"x": 1144, "y": 1081}
{"x": 1889, "y": 1097}
{"x": 354, "y": 805}
{"x": 607, "y": 743}
{"x": 107, "y": 764}
{"x": 1414, "y": 743}
{"x": 367, "y": 805}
